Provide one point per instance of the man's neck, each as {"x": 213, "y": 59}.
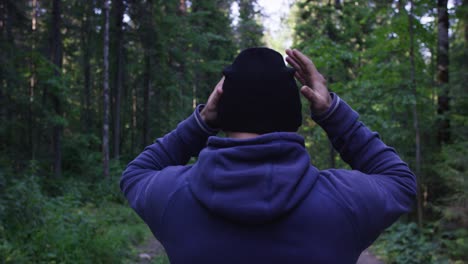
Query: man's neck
{"x": 241, "y": 135}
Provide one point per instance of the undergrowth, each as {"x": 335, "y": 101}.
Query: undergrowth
{"x": 85, "y": 223}
{"x": 406, "y": 243}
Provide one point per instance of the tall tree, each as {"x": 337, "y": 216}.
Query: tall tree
{"x": 249, "y": 30}
{"x": 214, "y": 45}
{"x": 32, "y": 80}
{"x": 145, "y": 17}
{"x": 105, "y": 92}
{"x": 182, "y": 7}
{"x": 417, "y": 134}
{"x": 86, "y": 41}
{"x": 443, "y": 99}
{"x": 118, "y": 9}
{"x": 56, "y": 58}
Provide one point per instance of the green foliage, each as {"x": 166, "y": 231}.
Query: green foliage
{"x": 77, "y": 227}
{"x": 249, "y": 30}
{"x": 406, "y": 243}
{"x": 161, "y": 259}
{"x": 362, "y": 49}
{"x": 452, "y": 168}
{"x": 79, "y": 156}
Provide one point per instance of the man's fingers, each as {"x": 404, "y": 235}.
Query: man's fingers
{"x": 305, "y": 62}
{"x": 219, "y": 86}
{"x": 307, "y": 92}
{"x": 299, "y": 77}
{"x": 293, "y": 63}
{"x": 216, "y": 94}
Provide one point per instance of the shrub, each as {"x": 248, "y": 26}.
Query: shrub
{"x": 406, "y": 243}
{"x": 87, "y": 223}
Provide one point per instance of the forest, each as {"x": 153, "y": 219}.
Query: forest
{"x": 86, "y": 85}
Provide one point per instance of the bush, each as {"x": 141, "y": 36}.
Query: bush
{"x": 406, "y": 243}
{"x": 88, "y": 223}
{"x": 161, "y": 259}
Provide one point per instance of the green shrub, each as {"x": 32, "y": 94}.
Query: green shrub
{"x": 161, "y": 259}
{"x": 406, "y": 243}
{"x": 88, "y": 223}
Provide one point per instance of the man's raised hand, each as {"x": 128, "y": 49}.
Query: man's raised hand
{"x": 210, "y": 111}
{"x": 314, "y": 85}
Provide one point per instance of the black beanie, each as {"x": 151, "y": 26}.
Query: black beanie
{"x": 260, "y": 94}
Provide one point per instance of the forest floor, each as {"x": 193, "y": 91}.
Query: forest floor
{"x": 151, "y": 248}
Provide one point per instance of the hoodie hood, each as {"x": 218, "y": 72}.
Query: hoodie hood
{"x": 253, "y": 180}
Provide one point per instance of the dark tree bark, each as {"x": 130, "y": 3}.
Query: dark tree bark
{"x": 33, "y": 139}
{"x": 106, "y": 101}
{"x": 86, "y": 119}
{"x": 3, "y": 58}
{"x": 147, "y": 89}
{"x": 465, "y": 8}
{"x": 417, "y": 136}
{"x": 134, "y": 120}
{"x": 147, "y": 38}
{"x": 443, "y": 101}
{"x": 118, "y": 73}
{"x": 56, "y": 58}
{"x": 338, "y": 4}
{"x": 182, "y": 7}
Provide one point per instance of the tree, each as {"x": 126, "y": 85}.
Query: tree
{"x": 443, "y": 101}
{"x": 117, "y": 47}
{"x": 105, "y": 133}
{"x": 373, "y": 55}
{"x": 86, "y": 44}
{"x": 249, "y": 30}
{"x": 213, "y": 45}
{"x": 417, "y": 134}
{"x": 56, "y": 58}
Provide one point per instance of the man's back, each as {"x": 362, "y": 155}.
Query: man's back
{"x": 308, "y": 234}
{"x": 260, "y": 200}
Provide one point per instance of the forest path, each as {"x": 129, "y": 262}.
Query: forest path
{"x": 152, "y": 248}
{"x": 368, "y": 258}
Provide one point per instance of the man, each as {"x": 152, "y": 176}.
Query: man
{"x": 254, "y": 197}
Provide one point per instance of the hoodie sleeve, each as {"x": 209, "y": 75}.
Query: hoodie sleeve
{"x": 381, "y": 186}
{"x": 150, "y": 178}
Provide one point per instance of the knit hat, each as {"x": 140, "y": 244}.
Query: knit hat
{"x": 260, "y": 94}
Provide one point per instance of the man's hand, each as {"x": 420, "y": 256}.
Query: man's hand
{"x": 210, "y": 111}
{"x": 314, "y": 89}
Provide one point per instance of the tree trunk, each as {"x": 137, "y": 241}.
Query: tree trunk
{"x": 443, "y": 101}
{"x": 85, "y": 43}
{"x": 417, "y": 136}
{"x": 32, "y": 82}
{"x": 465, "y": 10}
{"x": 3, "y": 83}
{"x": 105, "y": 132}
{"x": 118, "y": 73}
{"x": 182, "y": 7}
{"x": 146, "y": 89}
{"x": 134, "y": 120}
{"x": 147, "y": 37}
{"x": 56, "y": 58}
{"x": 338, "y": 4}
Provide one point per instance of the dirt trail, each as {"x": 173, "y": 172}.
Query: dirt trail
{"x": 367, "y": 258}
{"x": 152, "y": 248}
{"x": 149, "y": 250}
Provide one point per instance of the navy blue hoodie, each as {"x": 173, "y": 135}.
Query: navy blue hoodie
{"x": 260, "y": 200}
